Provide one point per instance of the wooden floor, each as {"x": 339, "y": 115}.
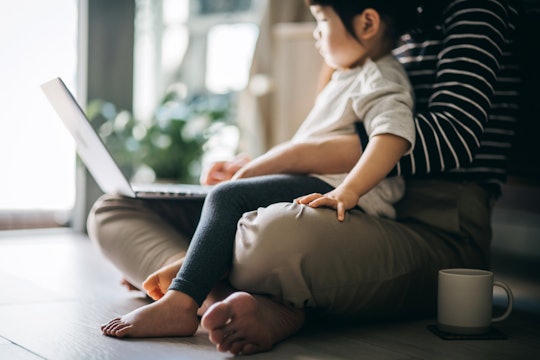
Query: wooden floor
{"x": 56, "y": 289}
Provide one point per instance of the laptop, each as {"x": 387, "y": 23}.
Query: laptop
{"x": 98, "y": 158}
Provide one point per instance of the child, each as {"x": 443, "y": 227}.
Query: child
{"x": 369, "y": 85}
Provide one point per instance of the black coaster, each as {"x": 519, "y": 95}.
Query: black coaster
{"x": 493, "y": 334}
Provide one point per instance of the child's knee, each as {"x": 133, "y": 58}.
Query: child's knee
{"x": 225, "y": 191}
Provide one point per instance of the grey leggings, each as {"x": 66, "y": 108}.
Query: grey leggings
{"x": 209, "y": 256}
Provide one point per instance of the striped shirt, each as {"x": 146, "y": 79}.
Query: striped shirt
{"x": 465, "y": 78}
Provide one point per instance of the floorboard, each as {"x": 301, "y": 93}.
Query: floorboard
{"x": 56, "y": 289}
{"x": 8, "y": 350}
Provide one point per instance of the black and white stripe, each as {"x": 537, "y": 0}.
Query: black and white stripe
{"x": 465, "y": 78}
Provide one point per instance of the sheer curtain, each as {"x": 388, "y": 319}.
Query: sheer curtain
{"x": 285, "y": 65}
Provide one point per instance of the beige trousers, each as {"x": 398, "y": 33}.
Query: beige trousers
{"x": 365, "y": 266}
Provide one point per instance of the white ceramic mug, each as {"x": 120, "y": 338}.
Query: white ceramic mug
{"x": 465, "y": 301}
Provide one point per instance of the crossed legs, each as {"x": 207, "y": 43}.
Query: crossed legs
{"x": 289, "y": 257}
{"x": 209, "y": 255}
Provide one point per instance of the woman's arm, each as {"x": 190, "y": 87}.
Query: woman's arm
{"x": 332, "y": 155}
{"x": 335, "y": 154}
{"x": 450, "y": 129}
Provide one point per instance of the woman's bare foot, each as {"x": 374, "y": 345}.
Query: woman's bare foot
{"x": 248, "y": 324}
{"x": 157, "y": 284}
{"x": 175, "y": 314}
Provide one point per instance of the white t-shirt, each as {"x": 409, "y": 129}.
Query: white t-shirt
{"x": 379, "y": 95}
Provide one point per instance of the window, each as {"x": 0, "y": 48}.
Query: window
{"x": 37, "y": 157}
{"x": 204, "y": 46}
{"x": 228, "y": 59}
{"x": 191, "y": 58}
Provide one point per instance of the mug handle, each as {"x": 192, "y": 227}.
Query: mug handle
{"x": 510, "y": 297}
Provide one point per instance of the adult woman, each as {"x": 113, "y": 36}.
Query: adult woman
{"x": 367, "y": 266}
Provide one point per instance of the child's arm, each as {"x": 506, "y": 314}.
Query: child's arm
{"x": 314, "y": 156}
{"x": 380, "y": 156}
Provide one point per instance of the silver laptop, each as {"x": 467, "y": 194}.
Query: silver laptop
{"x": 98, "y": 158}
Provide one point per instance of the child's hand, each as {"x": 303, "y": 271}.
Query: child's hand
{"x": 340, "y": 199}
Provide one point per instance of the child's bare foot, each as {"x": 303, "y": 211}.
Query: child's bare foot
{"x": 175, "y": 314}
{"x": 248, "y": 324}
{"x": 156, "y": 284}
{"x": 219, "y": 292}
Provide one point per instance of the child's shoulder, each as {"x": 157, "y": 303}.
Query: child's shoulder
{"x": 385, "y": 69}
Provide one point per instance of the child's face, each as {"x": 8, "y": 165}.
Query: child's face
{"x": 336, "y": 45}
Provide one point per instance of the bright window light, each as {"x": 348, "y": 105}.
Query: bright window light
{"x": 37, "y": 156}
{"x": 229, "y": 56}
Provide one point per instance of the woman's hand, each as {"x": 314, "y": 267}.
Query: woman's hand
{"x": 223, "y": 170}
{"x": 340, "y": 199}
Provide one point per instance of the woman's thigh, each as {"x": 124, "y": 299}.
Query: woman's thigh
{"x": 139, "y": 236}
{"x": 364, "y": 266}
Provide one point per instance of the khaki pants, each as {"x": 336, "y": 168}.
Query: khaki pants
{"x": 365, "y": 266}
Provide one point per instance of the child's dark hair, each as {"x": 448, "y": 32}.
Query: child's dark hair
{"x": 399, "y": 15}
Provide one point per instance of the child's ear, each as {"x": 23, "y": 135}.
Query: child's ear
{"x": 367, "y": 24}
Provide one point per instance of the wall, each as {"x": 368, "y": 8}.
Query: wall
{"x": 516, "y": 217}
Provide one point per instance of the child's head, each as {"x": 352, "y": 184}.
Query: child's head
{"x": 399, "y": 15}
{"x": 349, "y": 27}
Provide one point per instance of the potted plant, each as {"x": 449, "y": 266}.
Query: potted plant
{"x": 170, "y": 145}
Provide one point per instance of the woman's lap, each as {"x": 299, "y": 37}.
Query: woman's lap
{"x": 365, "y": 266}
{"x": 139, "y": 236}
